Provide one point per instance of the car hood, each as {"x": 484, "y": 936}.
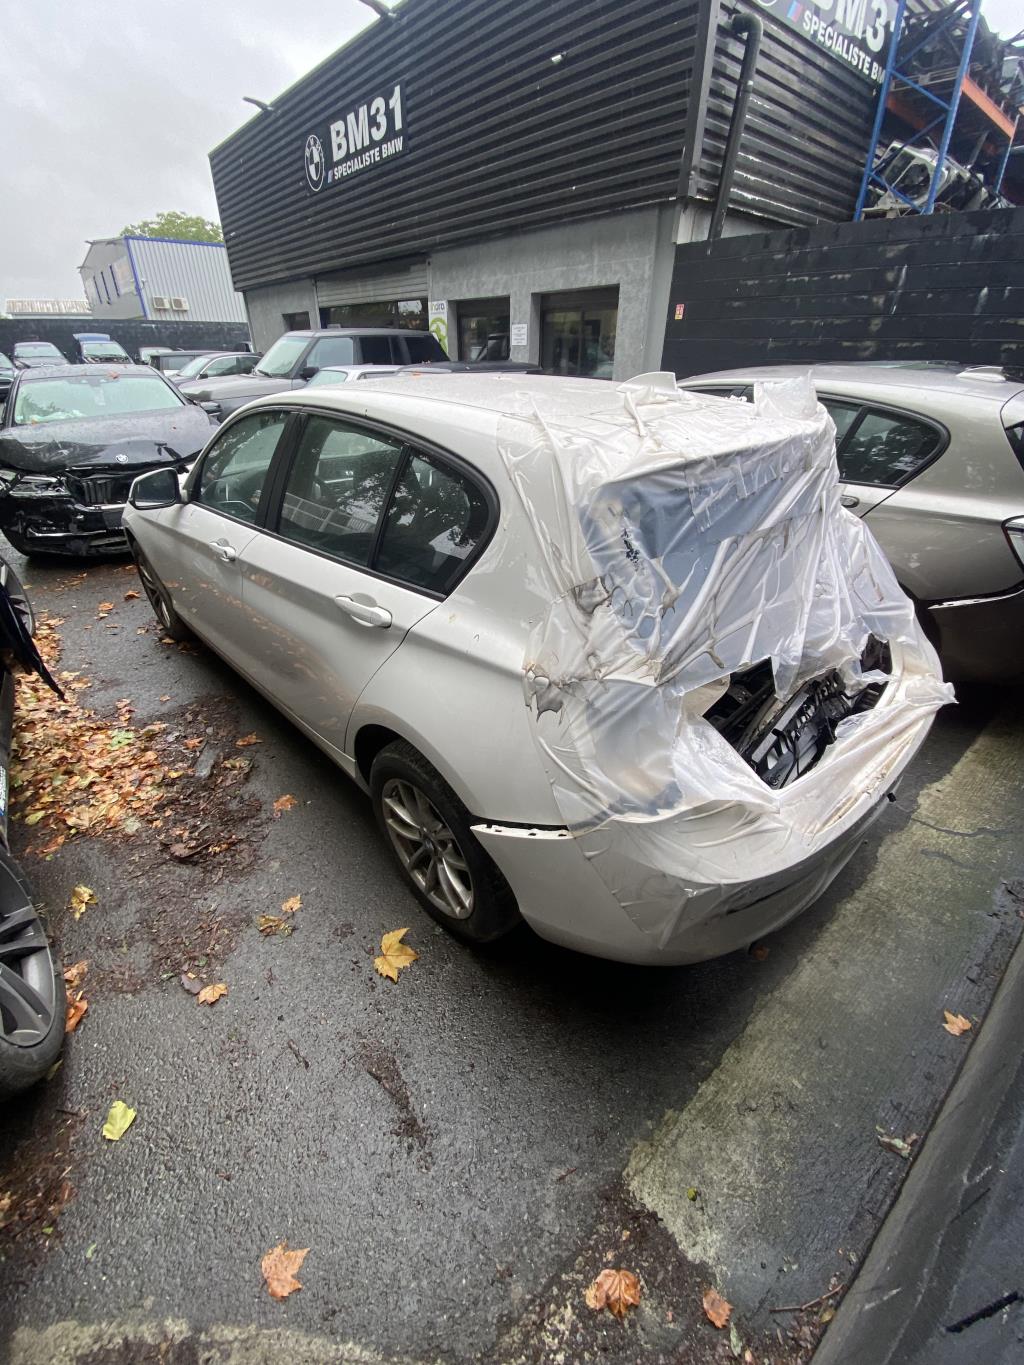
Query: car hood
{"x": 233, "y": 386}
{"x": 145, "y": 439}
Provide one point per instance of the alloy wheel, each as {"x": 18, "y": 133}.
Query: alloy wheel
{"x": 154, "y": 593}
{"x": 27, "y": 993}
{"x": 427, "y": 848}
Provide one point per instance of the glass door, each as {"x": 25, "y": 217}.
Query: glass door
{"x": 578, "y": 333}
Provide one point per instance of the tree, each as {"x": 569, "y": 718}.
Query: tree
{"x": 184, "y": 227}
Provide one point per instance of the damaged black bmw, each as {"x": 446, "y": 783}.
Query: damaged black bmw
{"x": 72, "y": 440}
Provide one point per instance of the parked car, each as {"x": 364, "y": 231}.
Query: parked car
{"x": 7, "y": 373}
{"x": 609, "y": 659}
{"x": 171, "y": 363}
{"x": 30, "y": 354}
{"x": 348, "y": 374}
{"x": 72, "y": 438}
{"x": 474, "y": 367}
{"x": 218, "y": 364}
{"x": 32, "y": 997}
{"x": 96, "y": 348}
{"x": 933, "y": 456}
{"x": 148, "y": 353}
{"x": 297, "y": 356}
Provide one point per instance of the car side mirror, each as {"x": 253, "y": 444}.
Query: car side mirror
{"x": 308, "y": 371}
{"x": 158, "y": 488}
{"x": 212, "y": 408}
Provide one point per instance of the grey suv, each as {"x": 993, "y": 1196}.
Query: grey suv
{"x": 298, "y": 356}
{"x": 933, "y": 456}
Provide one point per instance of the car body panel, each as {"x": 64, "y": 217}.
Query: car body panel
{"x": 942, "y": 529}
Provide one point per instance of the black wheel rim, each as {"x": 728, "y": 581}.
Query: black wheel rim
{"x": 28, "y": 998}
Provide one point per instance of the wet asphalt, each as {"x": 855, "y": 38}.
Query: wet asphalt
{"x": 464, "y": 1151}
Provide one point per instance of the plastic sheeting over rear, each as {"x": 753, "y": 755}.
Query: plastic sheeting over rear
{"x": 683, "y": 540}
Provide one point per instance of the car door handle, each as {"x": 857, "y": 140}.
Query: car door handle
{"x": 366, "y": 613}
{"x": 224, "y": 551}
{"x": 848, "y": 500}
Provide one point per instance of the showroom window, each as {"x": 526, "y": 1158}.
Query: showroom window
{"x": 295, "y": 322}
{"x": 577, "y": 332}
{"x": 483, "y": 329}
{"x": 411, "y": 313}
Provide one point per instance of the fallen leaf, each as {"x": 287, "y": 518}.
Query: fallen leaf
{"x": 616, "y": 1290}
{"x": 130, "y": 595}
{"x": 81, "y": 896}
{"x": 716, "y": 1309}
{"x": 955, "y": 1023}
{"x": 167, "y": 698}
{"x": 901, "y": 1146}
{"x": 735, "y": 1341}
{"x": 77, "y": 1006}
{"x": 394, "y": 954}
{"x": 246, "y": 740}
{"x": 292, "y": 904}
{"x": 209, "y": 995}
{"x": 75, "y": 975}
{"x": 279, "y": 1268}
{"x": 273, "y": 924}
{"x": 34, "y": 817}
{"x": 190, "y": 983}
{"x": 284, "y": 803}
{"x": 119, "y": 1120}
{"x": 692, "y": 1193}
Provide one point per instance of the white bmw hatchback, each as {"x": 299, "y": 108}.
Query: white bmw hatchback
{"x": 612, "y": 660}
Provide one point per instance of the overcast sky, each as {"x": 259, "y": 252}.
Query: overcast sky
{"x": 107, "y": 112}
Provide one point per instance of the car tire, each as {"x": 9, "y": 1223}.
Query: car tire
{"x": 159, "y": 598}
{"x": 21, "y": 1066}
{"x": 428, "y": 830}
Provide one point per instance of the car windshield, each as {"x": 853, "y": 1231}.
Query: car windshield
{"x": 193, "y": 367}
{"x": 280, "y": 359}
{"x": 108, "y": 350}
{"x": 75, "y": 398}
{"x": 36, "y": 348}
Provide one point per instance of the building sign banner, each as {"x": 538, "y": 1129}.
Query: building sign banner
{"x": 855, "y": 32}
{"x": 439, "y": 322}
{"x": 364, "y": 136}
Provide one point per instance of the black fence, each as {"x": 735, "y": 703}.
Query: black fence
{"x": 130, "y": 332}
{"x": 946, "y": 287}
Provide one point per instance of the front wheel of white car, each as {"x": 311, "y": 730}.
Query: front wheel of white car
{"x": 429, "y": 831}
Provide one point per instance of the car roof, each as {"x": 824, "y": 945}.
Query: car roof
{"x": 980, "y": 381}
{"x": 56, "y": 371}
{"x": 356, "y": 331}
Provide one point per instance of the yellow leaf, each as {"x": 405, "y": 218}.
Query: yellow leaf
{"x": 279, "y": 1268}
{"x": 956, "y": 1024}
{"x": 209, "y": 995}
{"x": 34, "y": 817}
{"x": 75, "y": 974}
{"x": 284, "y": 803}
{"x": 81, "y": 896}
{"x": 77, "y": 1006}
{"x": 246, "y": 740}
{"x": 717, "y": 1309}
{"x": 273, "y": 924}
{"x": 119, "y": 1120}
{"x": 616, "y": 1290}
{"x": 292, "y": 904}
{"x": 394, "y": 954}
{"x": 130, "y": 595}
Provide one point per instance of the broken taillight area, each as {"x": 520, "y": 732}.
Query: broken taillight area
{"x": 782, "y": 740}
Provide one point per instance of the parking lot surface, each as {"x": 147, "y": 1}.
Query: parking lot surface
{"x": 462, "y": 1151}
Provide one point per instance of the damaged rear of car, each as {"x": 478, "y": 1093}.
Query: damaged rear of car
{"x": 72, "y": 440}
{"x": 727, "y": 680}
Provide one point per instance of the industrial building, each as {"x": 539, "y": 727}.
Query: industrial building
{"x": 159, "y": 279}
{"x": 523, "y": 177}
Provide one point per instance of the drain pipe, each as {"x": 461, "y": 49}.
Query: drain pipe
{"x": 753, "y": 28}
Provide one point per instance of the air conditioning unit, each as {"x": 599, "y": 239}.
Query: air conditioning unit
{"x": 159, "y": 301}
{"x": 180, "y": 305}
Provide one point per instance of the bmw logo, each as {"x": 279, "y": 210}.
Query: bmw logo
{"x": 314, "y": 162}
{"x": 121, "y": 459}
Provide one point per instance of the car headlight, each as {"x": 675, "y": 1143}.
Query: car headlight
{"x": 1015, "y": 535}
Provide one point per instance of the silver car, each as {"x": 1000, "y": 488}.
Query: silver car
{"x": 608, "y": 659}
{"x": 933, "y": 456}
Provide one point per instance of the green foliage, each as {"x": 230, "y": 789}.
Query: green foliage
{"x": 185, "y": 227}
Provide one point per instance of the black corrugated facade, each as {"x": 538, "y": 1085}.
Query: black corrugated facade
{"x": 499, "y": 138}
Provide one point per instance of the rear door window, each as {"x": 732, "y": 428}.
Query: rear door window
{"x": 886, "y": 448}
{"x": 843, "y": 414}
{"x": 423, "y": 348}
{"x": 376, "y": 350}
{"x": 234, "y": 472}
{"x": 337, "y": 487}
{"x": 436, "y": 519}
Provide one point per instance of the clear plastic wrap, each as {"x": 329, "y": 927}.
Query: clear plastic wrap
{"x": 685, "y": 539}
